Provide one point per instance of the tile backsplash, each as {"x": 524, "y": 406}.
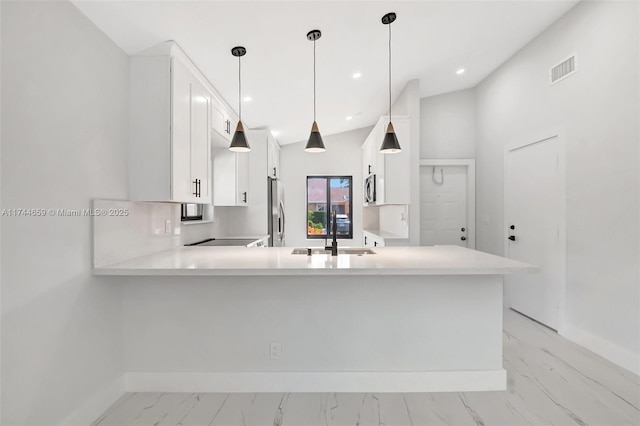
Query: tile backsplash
{"x": 394, "y": 219}
{"x": 130, "y": 229}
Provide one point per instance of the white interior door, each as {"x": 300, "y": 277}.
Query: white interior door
{"x": 443, "y": 205}
{"x": 534, "y": 202}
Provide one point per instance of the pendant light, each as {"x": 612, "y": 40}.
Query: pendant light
{"x": 239, "y": 142}
{"x": 314, "y": 144}
{"x": 390, "y": 142}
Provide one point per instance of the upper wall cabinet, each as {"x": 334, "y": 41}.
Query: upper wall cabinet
{"x": 231, "y": 178}
{"x": 392, "y": 171}
{"x": 170, "y": 125}
{"x": 273, "y": 157}
{"x": 223, "y": 120}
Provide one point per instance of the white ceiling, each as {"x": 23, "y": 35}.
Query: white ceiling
{"x": 431, "y": 40}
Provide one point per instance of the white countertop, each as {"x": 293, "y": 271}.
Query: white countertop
{"x": 243, "y": 261}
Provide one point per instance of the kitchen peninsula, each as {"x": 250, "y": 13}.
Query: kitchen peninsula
{"x": 236, "y": 319}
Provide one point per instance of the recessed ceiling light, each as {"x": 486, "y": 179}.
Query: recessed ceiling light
{"x": 357, "y": 75}
{"x": 460, "y": 71}
{"x": 349, "y": 118}
{"x": 247, "y": 98}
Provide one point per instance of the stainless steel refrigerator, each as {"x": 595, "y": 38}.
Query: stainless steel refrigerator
{"x": 275, "y": 208}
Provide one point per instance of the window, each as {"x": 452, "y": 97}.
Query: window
{"x": 324, "y": 195}
{"x": 191, "y": 212}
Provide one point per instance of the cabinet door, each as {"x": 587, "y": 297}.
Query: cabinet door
{"x": 231, "y": 178}
{"x": 182, "y": 185}
{"x": 273, "y": 158}
{"x": 242, "y": 178}
{"x": 200, "y": 141}
{"x": 394, "y": 169}
{"x": 224, "y": 178}
{"x": 220, "y": 121}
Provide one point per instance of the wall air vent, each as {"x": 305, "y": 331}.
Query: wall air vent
{"x": 563, "y": 70}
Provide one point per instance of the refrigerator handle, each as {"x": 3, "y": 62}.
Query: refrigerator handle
{"x": 283, "y": 221}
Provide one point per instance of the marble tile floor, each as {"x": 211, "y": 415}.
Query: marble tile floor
{"x": 551, "y": 381}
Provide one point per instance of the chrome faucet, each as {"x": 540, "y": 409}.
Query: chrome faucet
{"x": 334, "y": 229}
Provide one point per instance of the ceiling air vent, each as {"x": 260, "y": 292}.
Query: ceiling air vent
{"x": 563, "y": 70}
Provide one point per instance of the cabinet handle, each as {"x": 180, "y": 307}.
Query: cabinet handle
{"x": 462, "y": 229}
{"x": 512, "y": 237}
{"x": 369, "y": 169}
{"x": 375, "y": 244}
{"x": 195, "y": 182}
{"x": 463, "y": 238}
{"x": 244, "y": 197}
{"x": 274, "y": 172}
{"x": 365, "y": 240}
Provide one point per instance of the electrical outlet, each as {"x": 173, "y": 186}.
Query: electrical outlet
{"x": 275, "y": 350}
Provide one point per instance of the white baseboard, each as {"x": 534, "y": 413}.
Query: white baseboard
{"x": 622, "y": 357}
{"x": 331, "y": 381}
{"x": 97, "y": 404}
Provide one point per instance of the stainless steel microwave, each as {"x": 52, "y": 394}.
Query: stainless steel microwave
{"x": 370, "y": 189}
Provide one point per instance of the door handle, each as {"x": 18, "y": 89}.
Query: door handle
{"x": 463, "y": 238}
{"x": 283, "y": 220}
{"x": 512, "y": 237}
{"x": 512, "y": 227}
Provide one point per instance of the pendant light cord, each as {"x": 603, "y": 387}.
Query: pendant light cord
{"x": 314, "y": 80}
{"x": 389, "y": 72}
{"x": 239, "y": 88}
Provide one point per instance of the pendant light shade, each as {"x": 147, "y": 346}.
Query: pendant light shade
{"x": 390, "y": 142}
{"x": 239, "y": 142}
{"x": 314, "y": 144}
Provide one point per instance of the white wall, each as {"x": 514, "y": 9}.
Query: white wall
{"x": 64, "y": 142}
{"x": 448, "y": 125}
{"x": 343, "y": 157}
{"x": 598, "y": 110}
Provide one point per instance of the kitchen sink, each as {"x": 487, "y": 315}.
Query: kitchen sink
{"x": 346, "y": 250}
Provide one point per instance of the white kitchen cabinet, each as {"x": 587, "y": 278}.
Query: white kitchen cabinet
{"x": 377, "y": 238}
{"x": 370, "y": 239}
{"x": 231, "y": 178}
{"x": 273, "y": 156}
{"x": 223, "y": 121}
{"x": 392, "y": 171}
{"x": 170, "y": 110}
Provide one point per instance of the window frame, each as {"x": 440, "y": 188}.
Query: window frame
{"x": 329, "y": 202}
{"x": 184, "y": 217}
